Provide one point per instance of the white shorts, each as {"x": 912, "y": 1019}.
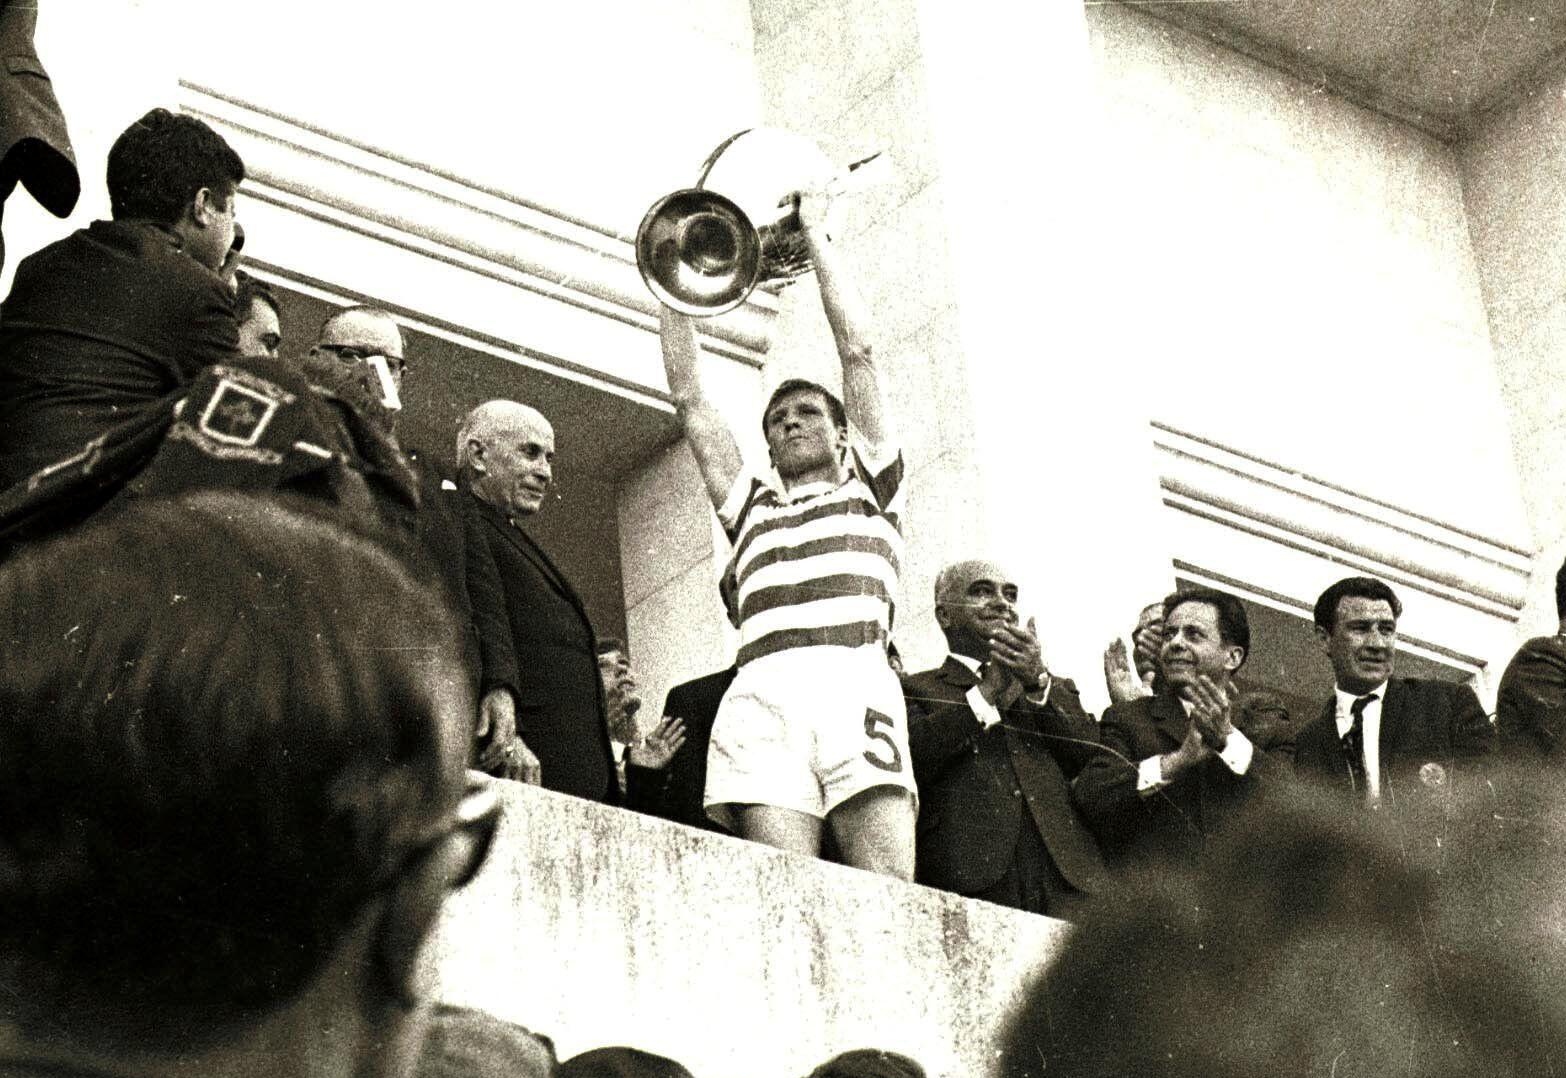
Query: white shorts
{"x": 807, "y": 729}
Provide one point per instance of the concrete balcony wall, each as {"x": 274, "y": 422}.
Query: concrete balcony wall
{"x": 597, "y": 926}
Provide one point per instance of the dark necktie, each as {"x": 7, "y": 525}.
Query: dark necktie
{"x": 1353, "y": 744}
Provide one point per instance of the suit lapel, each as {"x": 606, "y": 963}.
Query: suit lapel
{"x": 534, "y": 553}
{"x": 957, "y": 675}
{"x": 1330, "y": 745}
{"x": 1394, "y": 721}
{"x": 1169, "y": 719}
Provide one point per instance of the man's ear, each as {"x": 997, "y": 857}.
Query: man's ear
{"x": 205, "y": 207}
{"x": 475, "y": 456}
{"x": 407, "y": 970}
{"x": 942, "y": 618}
{"x": 1324, "y": 638}
{"x": 1235, "y": 660}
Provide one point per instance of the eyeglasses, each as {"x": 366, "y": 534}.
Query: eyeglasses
{"x": 477, "y": 817}
{"x": 353, "y": 353}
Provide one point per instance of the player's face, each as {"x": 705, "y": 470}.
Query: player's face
{"x": 979, "y": 598}
{"x": 801, "y": 435}
{"x": 521, "y": 464}
{"x": 1194, "y": 646}
{"x": 1362, "y": 643}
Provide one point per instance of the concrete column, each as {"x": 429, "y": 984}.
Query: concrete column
{"x": 1059, "y": 423}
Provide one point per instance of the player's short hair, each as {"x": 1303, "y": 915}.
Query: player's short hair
{"x": 224, "y": 727}
{"x": 159, "y": 162}
{"x": 1353, "y": 587}
{"x": 803, "y": 385}
{"x": 1233, "y": 626}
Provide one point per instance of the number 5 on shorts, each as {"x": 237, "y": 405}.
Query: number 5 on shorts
{"x": 873, "y": 719}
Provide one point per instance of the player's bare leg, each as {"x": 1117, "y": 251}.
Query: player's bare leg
{"x": 797, "y": 832}
{"x": 875, "y": 831}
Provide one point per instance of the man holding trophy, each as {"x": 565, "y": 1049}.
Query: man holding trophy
{"x": 812, "y": 732}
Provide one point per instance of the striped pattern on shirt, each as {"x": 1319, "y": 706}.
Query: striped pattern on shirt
{"x": 817, "y": 566}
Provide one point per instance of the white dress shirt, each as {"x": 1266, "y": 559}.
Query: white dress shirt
{"x": 1370, "y": 732}
{"x": 1236, "y": 755}
{"x": 987, "y": 713}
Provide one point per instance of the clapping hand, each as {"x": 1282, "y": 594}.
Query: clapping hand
{"x": 1019, "y": 651}
{"x": 1210, "y": 712}
{"x": 658, "y": 747}
{"x": 1124, "y": 686}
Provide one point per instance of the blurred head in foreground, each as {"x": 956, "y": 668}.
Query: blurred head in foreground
{"x": 1321, "y": 942}
{"x": 232, "y": 799}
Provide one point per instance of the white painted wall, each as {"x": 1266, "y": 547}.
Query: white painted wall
{"x": 1514, "y": 178}
{"x": 1294, "y": 277}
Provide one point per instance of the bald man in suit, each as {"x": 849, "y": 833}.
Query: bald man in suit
{"x": 505, "y": 453}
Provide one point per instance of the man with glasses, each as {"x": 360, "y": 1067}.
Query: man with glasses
{"x": 232, "y": 798}
{"x": 359, "y": 361}
{"x": 359, "y": 354}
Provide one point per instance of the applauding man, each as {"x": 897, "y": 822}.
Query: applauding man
{"x": 812, "y": 730}
{"x": 1174, "y": 766}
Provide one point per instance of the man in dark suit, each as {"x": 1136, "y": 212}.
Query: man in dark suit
{"x": 102, "y": 326}
{"x": 1530, "y": 711}
{"x": 505, "y": 454}
{"x": 995, "y": 741}
{"x": 1382, "y": 737}
{"x": 357, "y": 364}
{"x": 1176, "y": 767}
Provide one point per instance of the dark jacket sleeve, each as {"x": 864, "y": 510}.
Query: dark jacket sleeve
{"x": 1273, "y": 760}
{"x": 1105, "y": 790}
{"x": 646, "y": 787}
{"x": 487, "y": 598}
{"x": 938, "y": 730}
{"x": 212, "y": 334}
{"x": 1070, "y": 734}
{"x": 1472, "y": 732}
{"x": 1531, "y": 707}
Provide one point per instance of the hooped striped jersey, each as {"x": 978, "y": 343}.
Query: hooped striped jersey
{"x": 817, "y": 565}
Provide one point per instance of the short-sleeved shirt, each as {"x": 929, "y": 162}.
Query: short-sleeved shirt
{"x": 817, "y": 565}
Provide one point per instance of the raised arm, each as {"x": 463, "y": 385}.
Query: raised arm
{"x": 711, "y": 441}
{"x": 846, "y": 315}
